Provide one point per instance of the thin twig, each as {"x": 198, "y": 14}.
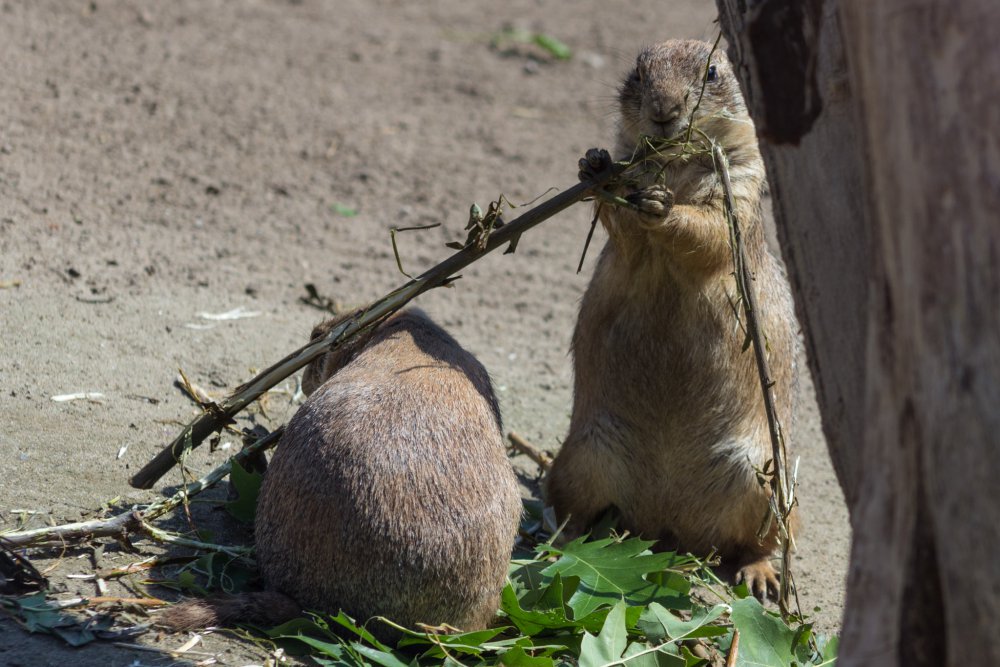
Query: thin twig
{"x": 395, "y": 249}
{"x": 143, "y": 565}
{"x": 193, "y": 391}
{"x": 180, "y": 541}
{"x": 219, "y": 414}
{"x": 543, "y": 460}
{"x": 701, "y": 93}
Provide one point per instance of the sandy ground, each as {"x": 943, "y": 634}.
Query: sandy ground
{"x": 159, "y": 161}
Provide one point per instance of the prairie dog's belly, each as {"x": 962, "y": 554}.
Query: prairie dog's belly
{"x": 661, "y": 361}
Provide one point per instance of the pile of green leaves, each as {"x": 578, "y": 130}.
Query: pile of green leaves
{"x": 590, "y": 603}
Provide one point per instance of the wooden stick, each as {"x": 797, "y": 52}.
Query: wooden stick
{"x": 543, "y": 460}
{"x": 217, "y": 415}
{"x": 74, "y": 532}
{"x": 87, "y": 602}
{"x": 734, "y": 650}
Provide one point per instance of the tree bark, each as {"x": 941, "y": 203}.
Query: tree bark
{"x": 890, "y": 167}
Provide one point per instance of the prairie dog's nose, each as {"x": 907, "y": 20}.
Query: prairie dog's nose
{"x": 665, "y": 112}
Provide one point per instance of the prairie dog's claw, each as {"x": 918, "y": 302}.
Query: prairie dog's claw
{"x": 761, "y": 579}
{"x": 653, "y": 202}
{"x": 594, "y": 162}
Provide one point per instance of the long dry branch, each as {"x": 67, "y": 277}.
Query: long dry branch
{"x": 217, "y": 415}
{"x": 748, "y": 296}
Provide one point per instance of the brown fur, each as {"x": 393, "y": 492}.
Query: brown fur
{"x": 390, "y": 493}
{"x": 668, "y": 420}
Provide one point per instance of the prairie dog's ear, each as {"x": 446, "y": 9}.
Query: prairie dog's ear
{"x": 317, "y": 372}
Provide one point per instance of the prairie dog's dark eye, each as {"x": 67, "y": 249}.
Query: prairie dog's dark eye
{"x": 712, "y": 75}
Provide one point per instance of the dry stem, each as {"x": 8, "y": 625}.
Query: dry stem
{"x": 781, "y": 501}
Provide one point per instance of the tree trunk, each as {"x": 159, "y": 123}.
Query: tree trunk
{"x": 886, "y": 171}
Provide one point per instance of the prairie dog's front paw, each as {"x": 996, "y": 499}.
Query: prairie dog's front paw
{"x": 653, "y": 203}
{"x": 594, "y": 162}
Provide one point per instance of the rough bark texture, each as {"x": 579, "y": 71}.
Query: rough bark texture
{"x": 902, "y": 322}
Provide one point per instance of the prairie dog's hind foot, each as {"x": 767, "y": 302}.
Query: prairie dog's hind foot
{"x": 760, "y": 577}
{"x": 593, "y": 162}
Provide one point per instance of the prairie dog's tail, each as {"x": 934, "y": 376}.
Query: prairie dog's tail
{"x": 264, "y": 608}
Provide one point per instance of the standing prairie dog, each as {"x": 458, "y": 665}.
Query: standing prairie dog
{"x": 390, "y": 493}
{"x": 668, "y": 421}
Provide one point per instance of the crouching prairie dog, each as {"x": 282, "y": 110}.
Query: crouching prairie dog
{"x": 668, "y": 423}
{"x": 390, "y": 493}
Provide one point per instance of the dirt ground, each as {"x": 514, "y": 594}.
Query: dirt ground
{"x": 162, "y": 161}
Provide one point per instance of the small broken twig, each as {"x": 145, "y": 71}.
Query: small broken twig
{"x": 543, "y": 460}
{"x": 144, "y": 565}
{"x": 193, "y": 391}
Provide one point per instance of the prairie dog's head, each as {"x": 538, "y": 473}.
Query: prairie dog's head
{"x": 323, "y": 368}
{"x": 661, "y": 92}
{"x": 319, "y": 370}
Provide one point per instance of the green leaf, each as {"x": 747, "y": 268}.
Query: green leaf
{"x": 802, "y": 644}
{"x": 247, "y": 485}
{"x": 348, "y": 623}
{"x": 186, "y": 581}
{"x": 828, "y": 650}
{"x": 467, "y": 643}
{"x": 764, "y": 638}
{"x": 641, "y": 654}
{"x": 554, "y": 46}
{"x": 607, "y": 647}
{"x": 380, "y": 657}
{"x": 534, "y": 621}
{"x": 343, "y": 654}
{"x": 526, "y": 578}
{"x": 517, "y": 657}
{"x": 691, "y": 660}
{"x": 343, "y": 209}
{"x": 332, "y": 649}
{"x": 659, "y": 625}
{"x": 610, "y": 570}
{"x": 611, "y": 646}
